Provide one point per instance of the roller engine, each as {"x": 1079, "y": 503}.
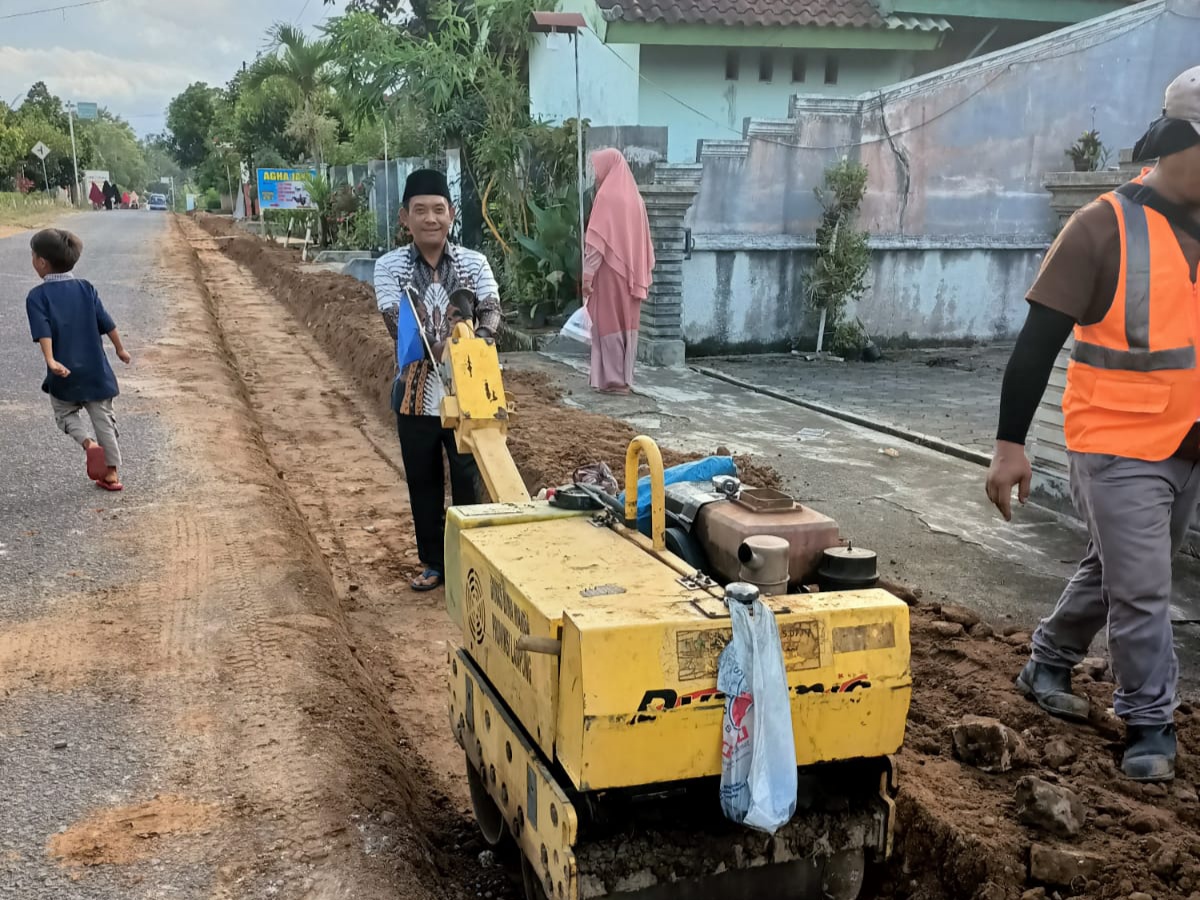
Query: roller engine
{"x": 584, "y": 691}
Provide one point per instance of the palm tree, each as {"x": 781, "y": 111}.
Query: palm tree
{"x": 303, "y": 64}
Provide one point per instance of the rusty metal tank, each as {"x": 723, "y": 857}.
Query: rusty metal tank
{"x": 722, "y": 527}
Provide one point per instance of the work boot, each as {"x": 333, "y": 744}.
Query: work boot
{"x": 1050, "y": 687}
{"x": 1149, "y": 753}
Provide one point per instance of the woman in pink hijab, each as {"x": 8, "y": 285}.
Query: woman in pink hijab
{"x": 616, "y": 273}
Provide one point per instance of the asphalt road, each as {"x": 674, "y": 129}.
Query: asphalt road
{"x": 51, "y": 515}
{"x": 57, "y": 539}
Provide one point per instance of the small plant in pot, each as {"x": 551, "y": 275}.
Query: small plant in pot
{"x": 1087, "y": 154}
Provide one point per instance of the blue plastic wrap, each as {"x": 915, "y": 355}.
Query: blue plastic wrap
{"x": 699, "y": 470}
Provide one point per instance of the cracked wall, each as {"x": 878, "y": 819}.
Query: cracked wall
{"x": 955, "y": 205}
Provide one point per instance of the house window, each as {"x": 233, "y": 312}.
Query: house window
{"x": 831, "y": 70}
{"x": 766, "y": 67}
{"x": 732, "y": 65}
{"x": 799, "y": 68}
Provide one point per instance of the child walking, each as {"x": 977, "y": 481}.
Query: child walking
{"x": 67, "y": 319}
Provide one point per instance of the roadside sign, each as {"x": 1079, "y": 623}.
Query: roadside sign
{"x": 285, "y": 188}
{"x": 40, "y": 150}
{"x": 87, "y": 111}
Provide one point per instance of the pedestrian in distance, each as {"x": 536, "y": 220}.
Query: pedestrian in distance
{"x": 110, "y": 192}
{"x": 618, "y": 262}
{"x": 1123, "y": 276}
{"x": 68, "y": 321}
{"x": 96, "y": 196}
{"x": 417, "y": 289}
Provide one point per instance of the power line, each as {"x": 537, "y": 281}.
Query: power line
{"x": 50, "y": 9}
{"x": 303, "y": 10}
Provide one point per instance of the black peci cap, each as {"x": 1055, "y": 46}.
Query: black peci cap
{"x": 426, "y": 183}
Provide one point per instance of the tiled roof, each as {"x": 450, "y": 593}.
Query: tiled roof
{"x": 826, "y": 13}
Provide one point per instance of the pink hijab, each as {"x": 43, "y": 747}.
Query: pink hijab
{"x": 618, "y": 227}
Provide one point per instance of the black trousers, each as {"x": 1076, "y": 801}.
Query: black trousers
{"x": 423, "y": 442}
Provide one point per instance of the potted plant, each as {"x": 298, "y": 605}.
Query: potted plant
{"x": 1087, "y": 154}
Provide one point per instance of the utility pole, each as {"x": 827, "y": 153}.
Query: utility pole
{"x": 573, "y": 25}
{"x": 74, "y": 154}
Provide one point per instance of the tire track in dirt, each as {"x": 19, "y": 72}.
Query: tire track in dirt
{"x": 343, "y": 470}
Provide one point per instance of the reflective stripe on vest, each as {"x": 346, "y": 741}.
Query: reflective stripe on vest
{"x": 1139, "y": 357}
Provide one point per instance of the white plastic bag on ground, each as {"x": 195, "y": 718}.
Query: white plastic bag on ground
{"x": 758, "y": 770}
{"x": 579, "y": 326}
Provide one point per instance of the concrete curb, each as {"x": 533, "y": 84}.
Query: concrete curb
{"x": 914, "y": 437}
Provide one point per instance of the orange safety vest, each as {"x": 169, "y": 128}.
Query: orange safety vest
{"x": 1133, "y": 388}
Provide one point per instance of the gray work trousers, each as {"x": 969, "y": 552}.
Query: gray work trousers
{"x": 1137, "y": 514}
{"x": 69, "y": 418}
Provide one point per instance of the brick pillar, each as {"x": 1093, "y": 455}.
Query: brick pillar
{"x": 667, "y": 202}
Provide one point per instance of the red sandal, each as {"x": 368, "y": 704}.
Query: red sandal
{"x": 110, "y": 485}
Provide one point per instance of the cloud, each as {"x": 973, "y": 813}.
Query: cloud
{"x": 133, "y": 56}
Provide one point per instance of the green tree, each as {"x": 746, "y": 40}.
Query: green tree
{"x": 303, "y": 66}
{"x": 42, "y": 117}
{"x": 843, "y": 257}
{"x": 118, "y": 151}
{"x": 190, "y": 119}
{"x": 254, "y": 119}
{"x": 160, "y": 161}
{"x": 39, "y": 101}
{"x": 59, "y": 164}
{"x": 12, "y": 146}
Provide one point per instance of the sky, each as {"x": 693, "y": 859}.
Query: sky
{"x": 133, "y": 56}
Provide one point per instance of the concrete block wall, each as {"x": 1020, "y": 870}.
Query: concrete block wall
{"x": 956, "y": 207}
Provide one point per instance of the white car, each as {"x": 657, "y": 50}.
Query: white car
{"x": 157, "y": 201}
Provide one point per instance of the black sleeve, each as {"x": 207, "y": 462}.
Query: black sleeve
{"x": 391, "y": 318}
{"x": 1043, "y": 335}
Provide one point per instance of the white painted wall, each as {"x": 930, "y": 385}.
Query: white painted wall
{"x": 755, "y": 300}
{"x": 696, "y": 76}
{"x": 608, "y": 80}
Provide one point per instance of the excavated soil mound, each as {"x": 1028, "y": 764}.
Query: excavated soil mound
{"x": 959, "y": 833}
{"x": 958, "y": 829}
{"x": 548, "y": 440}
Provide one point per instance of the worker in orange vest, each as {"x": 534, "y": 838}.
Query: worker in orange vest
{"x": 1123, "y": 276}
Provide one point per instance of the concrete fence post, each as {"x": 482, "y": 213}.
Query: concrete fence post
{"x": 667, "y": 202}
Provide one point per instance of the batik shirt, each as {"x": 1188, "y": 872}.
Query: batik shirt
{"x": 419, "y": 389}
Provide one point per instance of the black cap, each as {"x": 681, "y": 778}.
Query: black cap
{"x": 426, "y": 183}
{"x": 1179, "y": 127}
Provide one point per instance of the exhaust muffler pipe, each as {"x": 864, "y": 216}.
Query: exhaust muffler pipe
{"x": 764, "y": 562}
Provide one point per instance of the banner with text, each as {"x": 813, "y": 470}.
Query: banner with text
{"x": 285, "y": 188}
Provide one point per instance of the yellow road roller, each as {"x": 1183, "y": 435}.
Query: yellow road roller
{"x": 584, "y": 692}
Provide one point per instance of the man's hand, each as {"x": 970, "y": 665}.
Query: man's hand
{"x": 58, "y": 368}
{"x": 123, "y": 356}
{"x": 1010, "y": 468}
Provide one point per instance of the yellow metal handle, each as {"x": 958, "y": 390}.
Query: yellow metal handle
{"x": 658, "y": 492}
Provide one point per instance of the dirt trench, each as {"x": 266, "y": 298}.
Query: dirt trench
{"x": 958, "y": 834}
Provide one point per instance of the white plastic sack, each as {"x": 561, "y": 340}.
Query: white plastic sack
{"x": 758, "y": 769}
{"x": 579, "y": 326}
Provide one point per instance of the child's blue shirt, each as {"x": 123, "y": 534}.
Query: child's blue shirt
{"x": 69, "y": 312}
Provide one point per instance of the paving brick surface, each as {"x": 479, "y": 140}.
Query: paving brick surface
{"x": 952, "y": 394}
